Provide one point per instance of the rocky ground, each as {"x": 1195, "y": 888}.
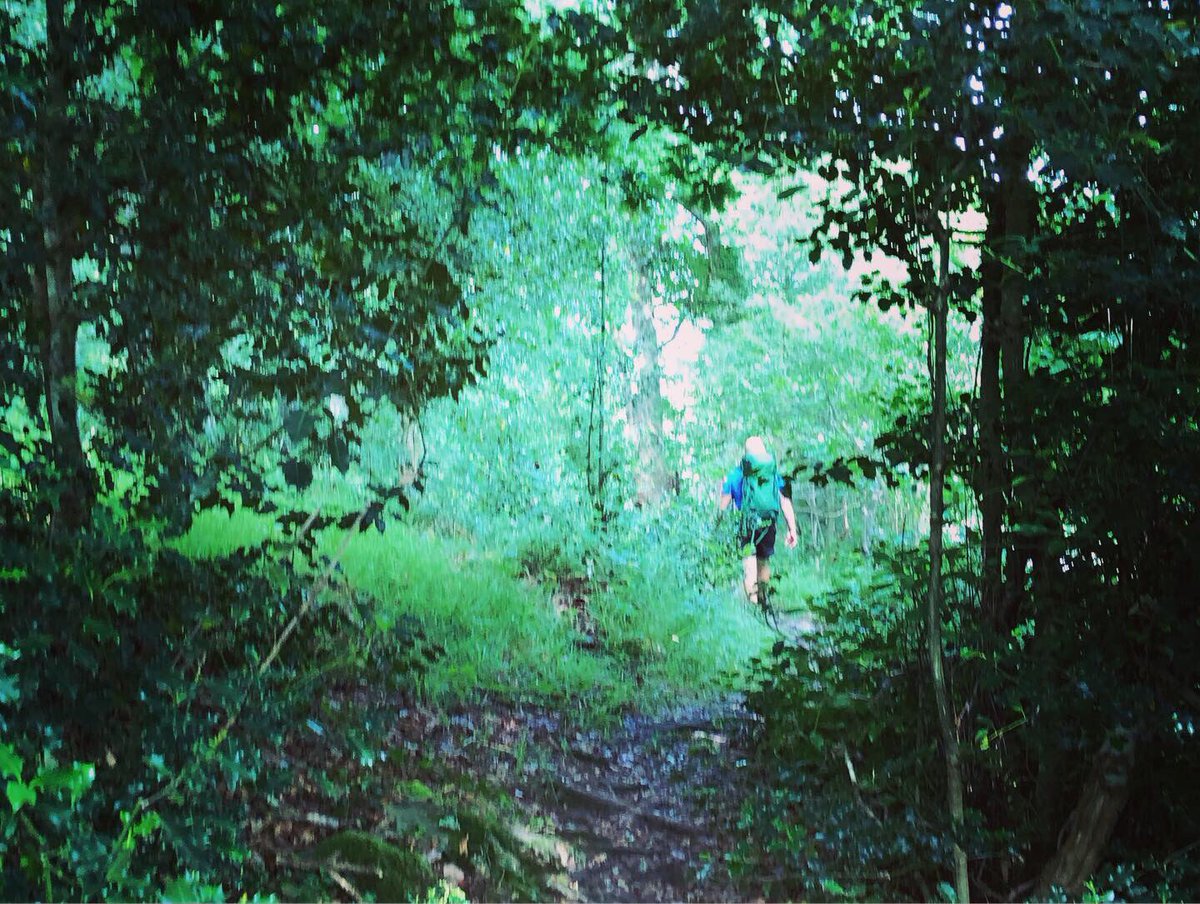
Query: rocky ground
{"x": 650, "y": 806}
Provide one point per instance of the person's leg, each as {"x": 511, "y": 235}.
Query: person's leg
{"x": 764, "y": 548}
{"x": 750, "y": 578}
{"x": 764, "y": 575}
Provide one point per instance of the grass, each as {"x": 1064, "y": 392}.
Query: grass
{"x": 499, "y": 633}
{"x": 662, "y": 636}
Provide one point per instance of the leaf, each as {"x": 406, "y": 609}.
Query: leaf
{"x": 299, "y": 425}
{"x": 10, "y": 764}
{"x": 637, "y": 133}
{"x": 76, "y": 779}
{"x": 298, "y": 474}
{"x": 833, "y": 887}
{"x": 788, "y": 192}
{"x": 947, "y": 891}
{"x": 188, "y": 887}
{"x": 20, "y": 794}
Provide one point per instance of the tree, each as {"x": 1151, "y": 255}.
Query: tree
{"x": 188, "y": 178}
{"x": 1056, "y": 122}
{"x": 207, "y": 284}
{"x": 683, "y": 271}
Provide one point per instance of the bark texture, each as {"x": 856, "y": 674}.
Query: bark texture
{"x": 1091, "y": 823}
{"x": 655, "y": 478}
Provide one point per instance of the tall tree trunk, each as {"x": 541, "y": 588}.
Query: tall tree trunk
{"x": 937, "y": 503}
{"x": 1017, "y": 431}
{"x": 646, "y": 407}
{"x": 597, "y": 453}
{"x": 53, "y": 285}
{"x": 991, "y": 481}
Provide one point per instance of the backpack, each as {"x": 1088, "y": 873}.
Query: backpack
{"x": 760, "y": 491}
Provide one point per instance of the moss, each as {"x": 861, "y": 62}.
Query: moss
{"x": 509, "y": 867}
{"x": 383, "y": 870}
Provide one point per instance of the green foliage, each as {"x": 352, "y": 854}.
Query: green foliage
{"x": 815, "y": 375}
{"x": 146, "y": 696}
{"x": 1069, "y": 451}
{"x": 850, "y": 805}
{"x": 681, "y": 618}
{"x": 304, "y": 263}
{"x": 209, "y": 284}
{"x": 444, "y": 893}
{"x": 118, "y": 684}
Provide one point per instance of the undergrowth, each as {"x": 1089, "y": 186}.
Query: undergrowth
{"x": 505, "y": 605}
{"x": 846, "y": 807}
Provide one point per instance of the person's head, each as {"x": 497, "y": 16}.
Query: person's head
{"x": 756, "y": 448}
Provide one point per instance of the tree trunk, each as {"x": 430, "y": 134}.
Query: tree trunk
{"x": 937, "y": 502}
{"x": 646, "y": 407}
{"x": 991, "y": 479}
{"x": 597, "y": 453}
{"x": 53, "y": 285}
{"x": 412, "y": 453}
{"x": 1090, "y": 825}
{"x": 1017, "y": 432}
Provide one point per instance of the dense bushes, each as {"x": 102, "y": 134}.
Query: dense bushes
{"x": 852, "y": 800}
{"x": 850, "y": 805}
{"x": 140, "y": 709}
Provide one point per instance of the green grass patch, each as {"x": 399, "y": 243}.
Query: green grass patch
{"x": 660, "y": 636}
{"x": 498, "y": 633}
{"x": 682, "y": 635}
{"x": 216, "y": 533}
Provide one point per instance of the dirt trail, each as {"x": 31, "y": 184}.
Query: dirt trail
{"x": 648, "y": 806}
{"x": 641, "y": 812}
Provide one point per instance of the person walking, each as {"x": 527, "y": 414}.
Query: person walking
{"x": 758, "y": 492}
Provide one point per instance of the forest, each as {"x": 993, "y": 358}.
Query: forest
{"x": 373, "y": 375}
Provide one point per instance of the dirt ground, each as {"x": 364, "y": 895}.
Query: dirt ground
{"x": 646, "y": 810}
{"x": 643, "y": 811}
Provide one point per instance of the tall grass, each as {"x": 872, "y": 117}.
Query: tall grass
{"x": 661, "y": 632}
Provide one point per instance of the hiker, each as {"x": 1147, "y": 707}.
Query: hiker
{"x": 757, "y": 491}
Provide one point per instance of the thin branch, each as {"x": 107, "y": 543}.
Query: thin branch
{"x": 674, "y": 333}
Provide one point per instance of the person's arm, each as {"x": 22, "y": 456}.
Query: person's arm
{"x": 789, "y": 515}
{"x": 723, "y": 501}
{"x": 724, "y": 498}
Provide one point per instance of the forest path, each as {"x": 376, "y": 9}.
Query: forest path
{"x": 648, "y": 807}
{"x": 642, "y": 811}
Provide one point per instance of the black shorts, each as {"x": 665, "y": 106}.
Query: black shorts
{"x": 762, "y": 538}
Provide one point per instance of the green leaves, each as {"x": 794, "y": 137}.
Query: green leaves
{"x": 19, "y": 794}
{"x": 50, "y": 779}
{"x": 75, "y": 779}
{"x": 11, "y": 765}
